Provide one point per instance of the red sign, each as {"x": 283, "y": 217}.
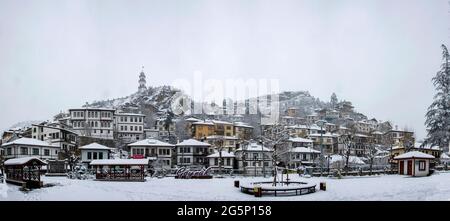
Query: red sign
{"x": 138, "y": 156}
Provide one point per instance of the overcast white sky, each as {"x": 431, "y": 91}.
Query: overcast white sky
{"x": 381, "y": 55}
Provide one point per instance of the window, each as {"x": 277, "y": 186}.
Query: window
{"x": 228, "y": 161}
{"x": 46, "y": 152}
{"x": 422, "y": 165}
{"x": 24, "y": 151}
{"x": 89, "y": 155}
{"x": 35, "y": 151}
{"x": 216, "y": 161}
{"x": 95, "y": 156}
{"x": 9, "y": 151}
{"x": 100, "y": 155}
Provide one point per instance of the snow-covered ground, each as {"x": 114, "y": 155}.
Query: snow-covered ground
{"x": 386, "y": 187}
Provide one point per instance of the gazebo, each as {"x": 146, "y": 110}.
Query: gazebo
{"x": 120, "y": 169}
{"x": 24, "y": 171}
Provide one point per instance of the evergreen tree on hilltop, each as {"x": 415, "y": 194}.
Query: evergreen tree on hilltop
{"x": 438, "y": 114}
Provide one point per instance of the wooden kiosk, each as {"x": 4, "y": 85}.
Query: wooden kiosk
{"x": 120, "y": 169}
{"x": 25, "y": 172}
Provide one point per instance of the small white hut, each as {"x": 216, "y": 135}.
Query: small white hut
{"x": 414, "y": 163}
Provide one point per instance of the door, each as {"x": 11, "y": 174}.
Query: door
{"x": 409, "y": 167}
{"x": 402, "y": 167}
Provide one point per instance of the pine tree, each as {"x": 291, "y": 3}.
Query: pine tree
{"x": 438, "y": 114}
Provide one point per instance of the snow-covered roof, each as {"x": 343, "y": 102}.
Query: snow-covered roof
{"x": 193, "y": 142}
{"x": 352, "y": 159}
{"x": 323, "y": 135}
{"x": 129, "y": 114}
{"x": 377, "y": 133}
{"x": 414, "y": 154}
{"x": 303, "y": 150}
{"x": 92, "y": 108}
{"x": 397, "y": 147}
{"x": 426, "y": 147}
{"x": 221, "y": 122}
{"x": 444, "y": 156}
{"x": 21, "y": 161}
{"x": 225, "y": 154}
{"x": 29, "y": 142}
{"x": 242, "y": 124}
{"x": 121, "y": 162}
{"x": 254, "y": 147}
{"x": 95, "y": 146}
{"x": 300, "y": 140}
{"x": 150, "y": 143}
{"x": 213, "y": 137}
{"x": 209, "y": 123}
{"x": 192, "y": 119}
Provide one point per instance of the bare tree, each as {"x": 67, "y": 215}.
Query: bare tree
{"x": 219, "y": 143}
{"x": 348, "y": 143}
{"x": 274, "y": 136}
{"x": 371, "y": 150}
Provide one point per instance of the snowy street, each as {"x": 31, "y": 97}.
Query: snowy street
{"x": 386, "y": 187}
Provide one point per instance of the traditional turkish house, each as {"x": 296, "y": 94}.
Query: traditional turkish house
{"x": 193, "y": 154}
{"x": 120, "y": 169}
{"x": 129, "y": 127}
{"x": 229, "y": 142}
{"x": 227, "y": 159}
{"x": 300, "y": 156}
{"x": 27, "y": 147}
{"x": 414, "y": 163}
{"x": 56, "y": 134}
{"x": 159, "y": 150}
{"x": 254, "y": 159}
{"x": 94, "y": 151}
{"x": 93, "y": 122}
{"x": 25, "y": 171}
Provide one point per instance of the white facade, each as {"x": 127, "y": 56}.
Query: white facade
{"x": 129, "y": 127}
{"x": 153, "y": 148}
{"x": 27, "y": 147}
{"x": 53, "y": 133}
{"x": 254, "y": 159}
{"x": 93, "y": 122}
{"x": 227, "y": 160}
{"x": 94, "y": 151}
{"x": 193, "y": 153}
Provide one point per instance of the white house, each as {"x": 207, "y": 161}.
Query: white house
{"x": 300, "y": 156}
{"x": 93, "y": 122}
{"x": 94, "y": 151}
{"x": 414, "y": 163}
{"x": 227, "y": 161}
{"x": 254, "y": 159}
{"x": 129, "y": 126}
{"x": 28, "y": 147}
{"x": 192, "y": 153}
{"x": 55, "y": 134}
{"x": 153, "y": 148}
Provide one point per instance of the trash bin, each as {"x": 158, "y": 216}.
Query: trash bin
{"x": 257, "y": 191}
{"x": 236, "y": 183}
{"x": 323, "y": 186}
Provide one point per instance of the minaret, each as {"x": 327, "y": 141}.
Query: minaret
{"x": 142, "y": 81}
